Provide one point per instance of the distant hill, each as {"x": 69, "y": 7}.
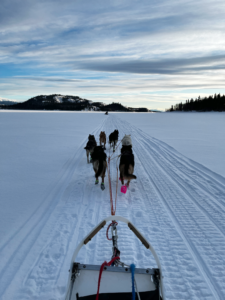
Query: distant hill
{"x": 52, "y": 102}
{"x": 61, "y": 102}
{"x": 4, "y": 101}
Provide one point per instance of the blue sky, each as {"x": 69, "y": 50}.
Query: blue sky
{"x": 139, "y": 53}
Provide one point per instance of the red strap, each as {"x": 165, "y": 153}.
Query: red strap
{"x": 100, "y": 273}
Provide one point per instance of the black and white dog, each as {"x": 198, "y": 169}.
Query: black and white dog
{"x": 99, "y": 164}
{"x": 91, "y": 144}
{"x": 113, "y": 138}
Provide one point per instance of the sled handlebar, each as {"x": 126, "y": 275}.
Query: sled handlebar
{"x": 135, "y": 231}
{"x": 138, "y": 235}
{"x": 94, "y": 232}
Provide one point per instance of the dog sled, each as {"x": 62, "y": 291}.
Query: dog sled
{"x": 114, "y": 280}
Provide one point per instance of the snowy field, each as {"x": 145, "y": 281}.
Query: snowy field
{"x": 49, "y": 201}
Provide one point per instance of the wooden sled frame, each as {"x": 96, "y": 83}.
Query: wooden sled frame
{"x": 135, "y": 231}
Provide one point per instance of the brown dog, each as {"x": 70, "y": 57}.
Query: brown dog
{"x": 102, "y": 138}
{"x": 99, "y": 164}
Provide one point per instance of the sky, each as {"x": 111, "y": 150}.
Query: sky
{"x": 152, "y": 53}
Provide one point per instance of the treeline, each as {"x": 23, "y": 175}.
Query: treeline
{"x": 215, "y": 103}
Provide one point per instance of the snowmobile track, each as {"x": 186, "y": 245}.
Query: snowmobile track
{"x": 169, "y": 190}
{"x": 176, "y": 203}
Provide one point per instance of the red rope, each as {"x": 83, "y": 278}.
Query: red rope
{"x": 116, "y": 181}
{"x": 110, "y": 188}
{"x": 100, "y": 273}
{"x": 113, "y": 211}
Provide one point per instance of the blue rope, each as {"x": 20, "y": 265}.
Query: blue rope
{"x": 132, "y": 268}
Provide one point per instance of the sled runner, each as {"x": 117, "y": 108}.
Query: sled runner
{"x": 114, "y": 280}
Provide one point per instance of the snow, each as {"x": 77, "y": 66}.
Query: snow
{"x": 71, "y": 100}
{"x": 49, "y": 201}
{"x": 198, "y": 136}
{"x": 59, "y": 99}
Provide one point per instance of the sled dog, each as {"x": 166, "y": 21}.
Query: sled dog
{"x": 99, "y": 164}
{"x": 91, "y": 144}
{"x": 102, "y": 138}
{"x": 126, "y": 165}
{"x": 113, "y": 138}
{"x": 126, "y": 141}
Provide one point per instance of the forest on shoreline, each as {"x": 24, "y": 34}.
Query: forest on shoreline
{"x": 211, "y": 103}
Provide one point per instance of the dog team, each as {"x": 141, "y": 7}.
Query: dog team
{"x": 98, "y": 157}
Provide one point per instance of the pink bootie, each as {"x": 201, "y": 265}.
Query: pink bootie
{"x": 123, "y": 189}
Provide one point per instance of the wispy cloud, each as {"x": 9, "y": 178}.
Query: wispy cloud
{"x": 164, "y": 66}
{"x": 102, "y": 47}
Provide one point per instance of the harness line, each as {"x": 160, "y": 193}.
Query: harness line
{"x": 110, "y": 189}
{"x": 113, "y": 211}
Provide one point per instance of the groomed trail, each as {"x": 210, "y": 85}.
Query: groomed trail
{"x": 176, "y": 203}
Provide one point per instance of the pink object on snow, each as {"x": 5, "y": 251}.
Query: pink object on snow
{"x": 123, "y": 189}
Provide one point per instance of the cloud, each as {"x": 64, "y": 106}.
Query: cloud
{"x": 104, "y": 47}
{"x": 47, "y": 79}
{"x": 166, "y": 66}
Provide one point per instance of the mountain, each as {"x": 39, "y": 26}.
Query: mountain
{"x": 4, "y": 101}
{"x": 52, "y": 102}
{"x": 156, "y": 110}
{"x": 60, "y": 102}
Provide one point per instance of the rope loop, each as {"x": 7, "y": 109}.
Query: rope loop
{"x": 107, "y": 231}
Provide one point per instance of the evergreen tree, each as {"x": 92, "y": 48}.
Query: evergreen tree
{"x": 215, "y": 103}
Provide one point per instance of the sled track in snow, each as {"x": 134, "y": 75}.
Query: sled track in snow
{"x": 199, "y": 197}
{"x": 40, "y": 221}
{"x": 176, "y": 203}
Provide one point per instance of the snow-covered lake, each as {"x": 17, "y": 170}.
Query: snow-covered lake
{"x": 49, "y": 201}
{"x": 199, "y": 136}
